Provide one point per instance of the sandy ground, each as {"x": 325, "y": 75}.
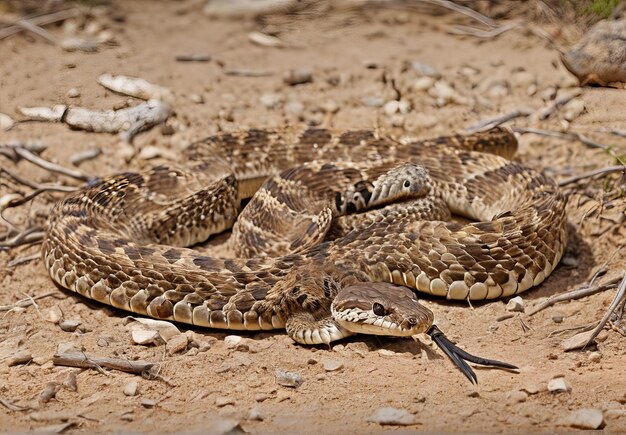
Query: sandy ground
{"x": 353, "y": 57}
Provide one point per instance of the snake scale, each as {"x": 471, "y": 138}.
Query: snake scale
{"x": 337, "y": 229}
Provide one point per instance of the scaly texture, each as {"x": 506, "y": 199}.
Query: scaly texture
{"x": 120, "y": 241}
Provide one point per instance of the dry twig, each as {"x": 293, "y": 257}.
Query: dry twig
{"x": 590, "y": 174}
{"x": 490, "y": 123}
{"x": 45, "y": 164}
{"x": 41, "y": 20}
{"x": 27, "y": 302}
{"x": 26, "y": 237}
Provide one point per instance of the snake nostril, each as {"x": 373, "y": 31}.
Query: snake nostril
{"x": 412, "y": 320}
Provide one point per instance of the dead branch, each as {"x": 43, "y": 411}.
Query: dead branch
{"x": 33, "y": 28}
{"x": 147, "y": 370}
{"x": 464, "y": 11}
{"x": 574, "y": 294}
{"x": 45, "y": 164}
{"x": 41, "y": 20}
{"x": 21, "y": 260}
{"x": 27, "y": 302}
{"x": 26, "y": 237}
{"x": 490, "y": 123}
{"x": 12, "y": 407}
{"x": 572, "y": 135}
{"x": 619, "y": 298}
{"x": 547, "y": 111}
{"x": 479, "y": 33}
{"x": 591, "y": 174}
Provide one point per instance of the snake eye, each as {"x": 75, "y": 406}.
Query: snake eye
{"x": 378, "y": 309}
{"x": 407, "y": 183}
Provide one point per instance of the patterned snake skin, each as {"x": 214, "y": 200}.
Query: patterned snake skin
{"x": 345, "y": 211}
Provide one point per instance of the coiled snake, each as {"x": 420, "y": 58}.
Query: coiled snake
{"x": 327, "y": 247}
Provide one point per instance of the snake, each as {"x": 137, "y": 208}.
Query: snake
{"x": 334, "y": 233}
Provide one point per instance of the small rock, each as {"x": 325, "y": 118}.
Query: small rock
{"x": 372, "y": 101}
{"x": 256, "y": 414}
{"x": 294, "y": 107}
{"x": 425, "y": 69}
{"x": 392, "y": 416}
{"x": 549, "y": 93}
{"x": 196, "y": 98}
{"x": 20, "y": 358}
{"x": 516, "y": 396}
{"x": 6, "y": 122}
{"x": 67, "y": 347}
{"x": 473, "y": 394}
{"x": 468, "y": 71}
{"x": 48, "y": 393}
{"x": 569, "y": 261}
{"x": 69, "y": 325}
{"x": 298, "y": 77}
{"x": 329, "y": 106}
{"x": 73, "y": 93}
{"x": 152, "y": 152}
{"x": 311, "y": 361}
{"x": 423, "y": 83}
{"x": 446, "y": 94}
{"x": 321, "y": 377}
{"x": 288, "y": 379}
{"x": 282, "y": 395}
{"x": 397, "y": 120}
{"x": 515, "y": 304}
{"x": 131, "y": 388}
{"x": 391, "y": 107}
{"x": 558, "y": 385}
{"x": 232, "y": 340}
{"x": 148, "y": 403}
{"x": 532, "y": 389}
{"x": 70, "y": 382}
{"x": 386, "y": 352}
{"x": 584, "y": 418}
{"x": 176, "y": 344}
{"x": 558, "y": 318}
{"x": 270, "y": 100}
{"x": 573, "y": 109}
{"x": 220, "y": 402}
{"x": 261, "y": 397}
{"x": 144, "y": 337}
{"x": 332, "y": 365}
{"x": 594, "y": 357}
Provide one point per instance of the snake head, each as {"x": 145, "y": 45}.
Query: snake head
{"x": 380, "y": 309}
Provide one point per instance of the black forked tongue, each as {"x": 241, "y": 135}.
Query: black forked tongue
{"x": 459, "y": 356}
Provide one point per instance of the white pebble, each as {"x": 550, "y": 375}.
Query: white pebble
{"x": 6, "y": 122}
{"x": 130, "y": 388}
{"x": 176, "y": 344}
{"x": 558, "y": 385}
{"x": 270, "y": 100}
{"x": 331, "y": 365}
{"x": 142, "y": 336}
{"x": 392, "y": 416}
{"x": 515, "y": 304}
{"x": 584, "y": 418}
{"x": 73, "y": 93}
{"x": 423, "y": 83}
{"x": 232, "y": 340}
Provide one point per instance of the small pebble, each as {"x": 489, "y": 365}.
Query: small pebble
{"x": 131, "y": 388}
{"x": 392, "y": 416}
{"x": 558, "y": 385}
{"x": 6, "y": 122}
{"x": 152, "y": 152}
{"x": 148, "y": 403}
{"x": 584, "y": 418}
{"x": 515, "y": 304}
{"x": 282, "y": 395}
{"x": 298, "y": 77}
{"x": 386, "y": 352}
{"x": 332, "y": 365}
{"x": 594, "y": 357}
{"x": 321, "y": 377}
{"x": 48, "y": 393}
{"x": 270, "y": 100}
{"x": 531, "y": 389}
{"x": 329, "y": 106}
{"x": 20, "y": 358}
{"x": 176, "y": 344}
{"x": 73, "y": 93}
{"x": 144, "y": 337}
{"x": 220, "y": 402}
{"x": 69, "y": 325}
{"x": 425, "y": 69}
{"x": 67, "y": 347}
{"x": 372, "y": 101}
{"x": 232, "y": 340}
{"x": 294, "y": 107}
{"x": 557, "y": 318}
{"x": 196, "y": 99}
{"x": 70, "y": 382}
{"x": 255, "y": 414}
{"x": 514, "y": 397}
{"x": 570, "y": 261}
{"x": 288, "y": 379}
{"x": 261, "y": 397}
{"x": 423, "y": 83}
{"x": 573, "y": 109}
{"x": 390, "y": 107}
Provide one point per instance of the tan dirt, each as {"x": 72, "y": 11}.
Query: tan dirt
{"x": 212, "y": 387}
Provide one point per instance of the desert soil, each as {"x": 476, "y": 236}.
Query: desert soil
{"x": 356, "y": 59}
